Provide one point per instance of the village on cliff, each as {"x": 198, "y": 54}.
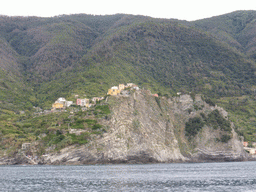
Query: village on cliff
{"x": 121, "y": 90}
{"x": 61, "y": 103}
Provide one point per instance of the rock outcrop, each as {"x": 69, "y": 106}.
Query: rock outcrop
{"x": 148, "y": 129}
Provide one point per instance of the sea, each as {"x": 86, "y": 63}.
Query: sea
{"x": 228, "y": 176}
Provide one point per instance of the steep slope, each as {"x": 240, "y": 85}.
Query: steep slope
{"x": 140, "y": 128}
{"x": 144, "y": 130}
{"x": 8, "y": 58}
{"x": 166, "y": 57}
{"x": 85, "y": 55}
{"x": 68, "y": 42}
{"x": 236, "y": 28}
{"x": 96, "y": 51}
{"x": 13, "y": 89}
{"x": 47, "y": 45}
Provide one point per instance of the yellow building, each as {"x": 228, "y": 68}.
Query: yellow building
{"x": 57, "y": 105}
{"x": 121, "y": 87}
{"x": 114, "y": 91}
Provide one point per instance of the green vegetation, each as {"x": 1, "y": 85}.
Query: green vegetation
{"x": 193, "y": 126}
{"x": 225, "y": 138}
{"x": 80, "y": 139}
{"x": 50, "y": 130}
{"x": 162, "y": 55}
{"x": 102, "y": 110}
{"x": 237, "y": 29}
{"x": 217, "y": 121}
{"x": 213, "y": 119}
{"x": 78, "y": 124}
{"x": 242, "y": 112}
{"x": 46, "y": 58}
{"x": 209, "y": 101}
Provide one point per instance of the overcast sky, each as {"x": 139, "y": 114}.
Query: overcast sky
{"x": 178, "y": 9}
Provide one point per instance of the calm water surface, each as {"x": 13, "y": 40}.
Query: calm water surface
{"x": 238, "y": 176}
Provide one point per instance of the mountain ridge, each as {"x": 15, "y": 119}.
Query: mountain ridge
{"x": 59, "y": 44}
{"x": 46, "y": 58}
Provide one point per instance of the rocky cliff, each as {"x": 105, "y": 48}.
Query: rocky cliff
{"x": 147, "y": 129}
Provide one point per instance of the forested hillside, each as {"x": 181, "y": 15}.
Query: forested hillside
{"x": 238, "y": 29}
{"x": 42, "y": 59}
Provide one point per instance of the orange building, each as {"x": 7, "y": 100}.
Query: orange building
{"x": 114, "y": 91}
{"x": 57, "y": 106}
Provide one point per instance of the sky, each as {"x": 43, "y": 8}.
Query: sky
{"x": 176, "y": 9}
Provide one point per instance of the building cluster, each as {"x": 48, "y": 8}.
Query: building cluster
{"x": 61, "y": 103}
{"x": 116, "y": 90}
{"x": 87, "y": 103}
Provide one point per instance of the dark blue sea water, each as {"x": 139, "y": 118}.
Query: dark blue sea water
{"x": 238, "y": 176}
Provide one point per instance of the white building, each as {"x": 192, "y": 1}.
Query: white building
{"x": 63, "y": 101}
{"x": 68, "y": 103}
{"x": 115, "y": 87}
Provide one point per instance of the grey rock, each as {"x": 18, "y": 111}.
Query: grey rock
{"x": 145, "y": 129}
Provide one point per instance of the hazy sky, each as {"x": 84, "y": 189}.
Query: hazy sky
{"x": 179, "y": 9}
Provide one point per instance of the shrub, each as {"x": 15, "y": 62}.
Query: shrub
{"x": 203, "y": 115}
{"x": 27, "y": 125}
{"x": 58, "y": 139}
{"x": 90, "y": 122}
{"x": 79, "y": 139}
{"x": 225, "y": 138}
{"x": 103, "y": 109}
{"x": 78, "y": 124}
{"x": 96, "y": 126}
{"x": 216, "y": 120}
{"x": 193, "y": 96}
{"x": 209, "y": 101}
{"x": 196, "y": 107}
{"x": 193, "y": 126}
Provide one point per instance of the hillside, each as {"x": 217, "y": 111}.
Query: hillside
{"x": 13, "y": 90}
{"x": 42, "y": 59}
{"x": 238, "y": 29}
{"x": 155, "y": 52}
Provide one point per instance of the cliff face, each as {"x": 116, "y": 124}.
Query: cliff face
{"x": 146, "y": 129}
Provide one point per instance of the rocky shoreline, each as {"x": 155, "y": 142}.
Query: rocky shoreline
{"x": 143, "y": 129}
{"x": 140, "y": 159}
